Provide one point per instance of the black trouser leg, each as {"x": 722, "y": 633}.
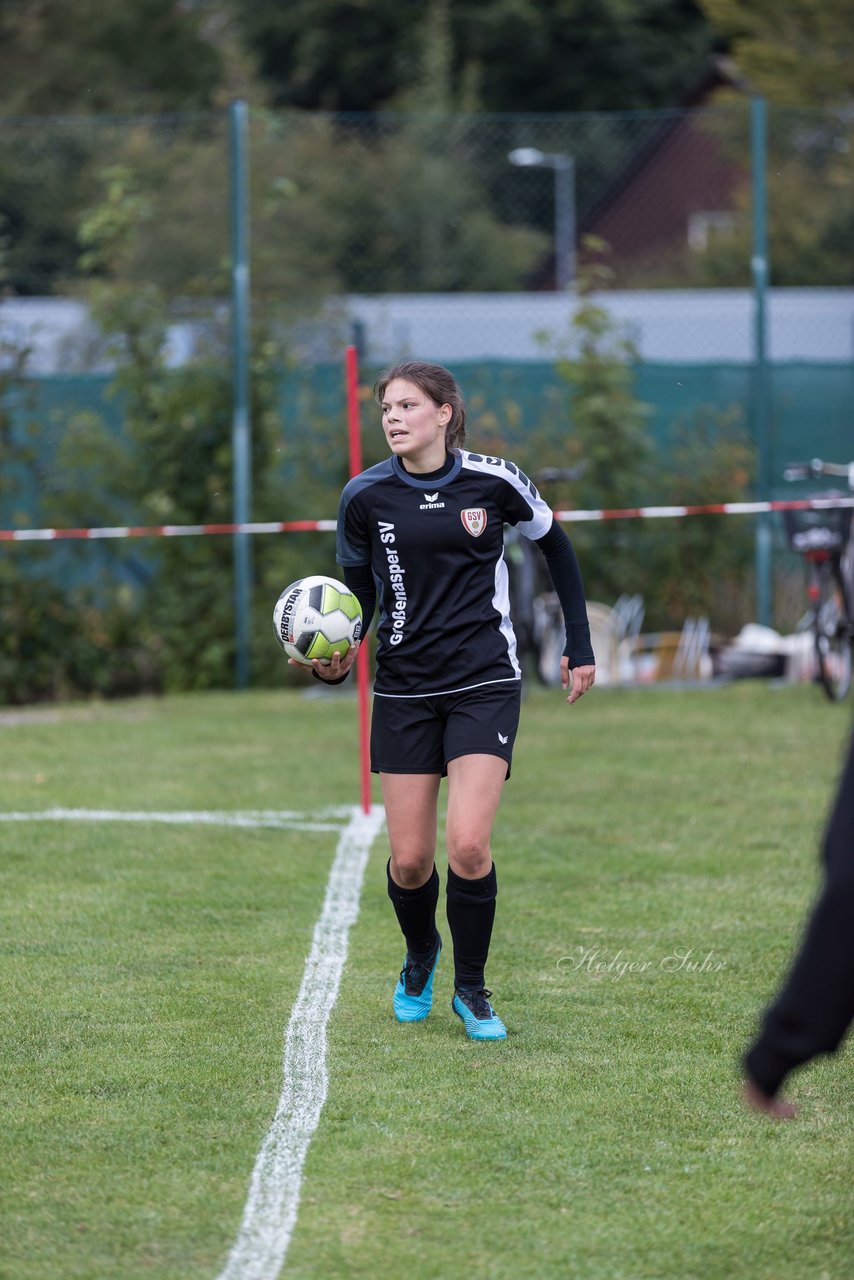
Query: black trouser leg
{"x": 815, "y": 1005}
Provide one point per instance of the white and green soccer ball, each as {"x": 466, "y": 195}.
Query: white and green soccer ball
{"x": 316, "y": 617}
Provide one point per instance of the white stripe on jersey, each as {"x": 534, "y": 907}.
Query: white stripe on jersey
{"x": 501, "y": 602}
{"x": 439, "y": 693}
{"x": 541, "y": 520}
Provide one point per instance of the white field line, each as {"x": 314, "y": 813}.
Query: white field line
{"x": 270, "y": 1212}
{"x": 282, "y": 819}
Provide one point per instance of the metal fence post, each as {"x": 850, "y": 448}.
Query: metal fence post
{"x": 760, "y": 408}
{"x": 241, "y": 442}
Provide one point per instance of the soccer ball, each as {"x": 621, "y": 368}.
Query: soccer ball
{"x": 315, "y": 617}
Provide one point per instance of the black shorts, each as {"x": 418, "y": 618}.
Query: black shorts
{"x": 420, "y": 735}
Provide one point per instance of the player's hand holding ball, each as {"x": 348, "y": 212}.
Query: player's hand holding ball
{"x": 318, "y": 621}
{"x": 337, "y": 666}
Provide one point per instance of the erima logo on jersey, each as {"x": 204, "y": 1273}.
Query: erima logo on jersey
{"x": 502, "y": 737}
{"x": 431, "y": 501}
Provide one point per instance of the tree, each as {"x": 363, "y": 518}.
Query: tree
{"x": 332, "y": 55}
{"x": 97, "y": 56}
{"x": 795, "y": 52}
{"x": 174, "y": 463}
{"x": 85, "y": 56}
{"x": 583, "y": 55}
{"x": 524, "y": 55}
{"x": 609, "y": 444}
{"x": 810, "y": 217}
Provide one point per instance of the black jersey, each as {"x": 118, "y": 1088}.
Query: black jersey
{"x": 436, "y": 548}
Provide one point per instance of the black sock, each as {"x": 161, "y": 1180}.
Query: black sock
{"x": 416, "y": 913}
{"x": 471, "y": 912}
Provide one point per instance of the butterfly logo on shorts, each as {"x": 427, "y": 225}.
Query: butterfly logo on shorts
{"x": 474, "y": 520}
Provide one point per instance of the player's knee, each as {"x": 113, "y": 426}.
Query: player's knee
{"x": 411, "y": 868}
{"x": 469, "y": 854}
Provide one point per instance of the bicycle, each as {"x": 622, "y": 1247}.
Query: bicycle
{"x": 823, "y": 536}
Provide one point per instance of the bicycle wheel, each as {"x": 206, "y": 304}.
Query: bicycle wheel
{"x": 833, "y": 637}
{"x": 549, "y": 639}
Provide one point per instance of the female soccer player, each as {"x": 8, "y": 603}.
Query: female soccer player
{"x": 425, "y": 528}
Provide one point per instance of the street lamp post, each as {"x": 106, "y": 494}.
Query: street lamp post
{"x": 563, "y": 167}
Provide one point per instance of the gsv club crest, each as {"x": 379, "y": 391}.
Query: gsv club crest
{"x": 474, "y": 520}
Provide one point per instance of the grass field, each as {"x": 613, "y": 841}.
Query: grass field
{"x": 656, "y": 854}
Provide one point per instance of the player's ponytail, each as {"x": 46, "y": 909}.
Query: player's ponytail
{"x": 439, "y": 384}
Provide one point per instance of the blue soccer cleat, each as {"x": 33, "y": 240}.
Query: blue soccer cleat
{"x": 479, "y": 1018}
{"x": 413, "y": 995}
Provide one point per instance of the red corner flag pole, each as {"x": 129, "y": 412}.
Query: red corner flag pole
{"x": 355, "y": 438}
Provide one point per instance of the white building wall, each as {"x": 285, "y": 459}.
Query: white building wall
{"x": 668, "y": 325}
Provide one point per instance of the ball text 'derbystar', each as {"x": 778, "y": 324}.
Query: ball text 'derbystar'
{"x": 316, "y": 617}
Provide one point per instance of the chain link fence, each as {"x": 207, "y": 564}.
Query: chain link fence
{"x": 456, "y": 238}
{"x": 468, "y": 239}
